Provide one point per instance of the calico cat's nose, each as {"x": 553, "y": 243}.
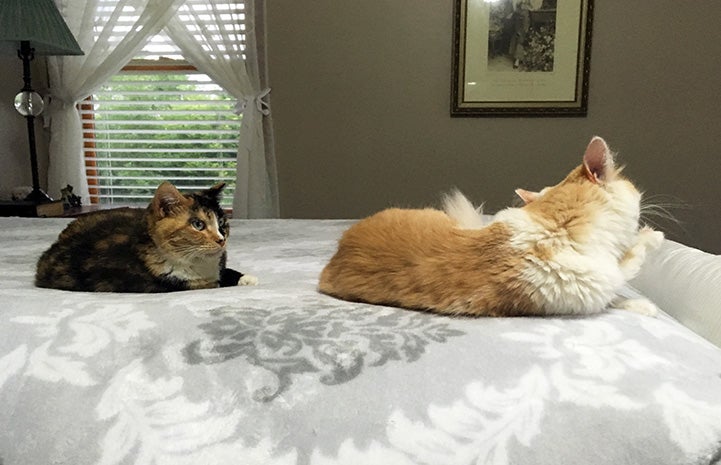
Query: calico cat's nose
{"x": 220, "y": 240}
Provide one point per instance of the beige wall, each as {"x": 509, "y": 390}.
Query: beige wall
{"x": 361, "y": 97}
{"x": 360, "y": 104}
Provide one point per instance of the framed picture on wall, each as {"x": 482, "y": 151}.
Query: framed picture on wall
{"x": 521, "y": 57}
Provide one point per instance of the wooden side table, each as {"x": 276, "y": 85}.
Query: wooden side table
{"x": 48, "y": 210}
{"x": 32, "y": 209}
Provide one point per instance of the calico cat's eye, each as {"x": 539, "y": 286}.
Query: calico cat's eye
{"x": 197, "y": 224}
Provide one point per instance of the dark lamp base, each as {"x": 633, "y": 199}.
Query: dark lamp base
{"x": 38, "y": 196}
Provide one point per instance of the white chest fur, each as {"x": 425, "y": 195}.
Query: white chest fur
{"x": 199, "y": 272}
{"x": 572, "y": 276}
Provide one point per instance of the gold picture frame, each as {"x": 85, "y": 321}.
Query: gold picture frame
{"x": 521, "y": 57}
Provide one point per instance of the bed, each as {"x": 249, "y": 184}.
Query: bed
{"x": 280, "y": 374}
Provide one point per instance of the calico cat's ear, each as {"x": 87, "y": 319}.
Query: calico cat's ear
{"x": 168, "y": 200}
{"x": 215, "y": 191}
{"x": 527, "y": 196}
{"x": 597, "y": 160}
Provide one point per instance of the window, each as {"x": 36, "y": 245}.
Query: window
{"x": 159, "y": 119}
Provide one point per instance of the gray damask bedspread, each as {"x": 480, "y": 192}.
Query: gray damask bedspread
{"x": 279, "y": 374}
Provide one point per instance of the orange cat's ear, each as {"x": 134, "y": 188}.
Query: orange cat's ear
{"x": 597, "y": 160}
{"x": 168, "y": 200}
{"x": 527, "y": 196}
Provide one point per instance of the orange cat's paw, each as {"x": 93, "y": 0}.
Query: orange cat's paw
{"x": 650, "y": 238}
{"x": 641, "y": 306}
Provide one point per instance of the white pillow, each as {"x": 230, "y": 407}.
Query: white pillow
{"x": 685, "y": 283}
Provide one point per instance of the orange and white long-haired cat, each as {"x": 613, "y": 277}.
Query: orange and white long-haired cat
{"x": 569, "y": 250}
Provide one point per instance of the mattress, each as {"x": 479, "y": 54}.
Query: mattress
{"x": 281, "y": 374}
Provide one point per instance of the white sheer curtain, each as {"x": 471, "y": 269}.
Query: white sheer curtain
{"x": 218, "y": 38}
{"x": 110, "y": 32}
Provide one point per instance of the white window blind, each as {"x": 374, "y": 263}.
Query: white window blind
{"x": 160, "y": 119}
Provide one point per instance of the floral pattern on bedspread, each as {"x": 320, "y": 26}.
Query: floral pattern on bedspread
{"x": 280, "y": 374}
{"x": 287, "y": 341}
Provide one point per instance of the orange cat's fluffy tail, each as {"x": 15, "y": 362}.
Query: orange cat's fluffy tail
{"x": 462, "y": 211}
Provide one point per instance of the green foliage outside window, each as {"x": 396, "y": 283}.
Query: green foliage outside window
{"x": 155, "y": 127}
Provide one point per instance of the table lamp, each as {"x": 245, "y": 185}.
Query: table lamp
{"x": 34, "y": 27}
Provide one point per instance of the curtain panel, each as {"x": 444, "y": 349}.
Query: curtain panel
{"x": 111, "y": 32}
{"x": 110, "y": 36}
{"x": 221, "y": 42}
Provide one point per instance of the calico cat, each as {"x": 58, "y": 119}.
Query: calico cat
{"x": 177, "y": 243}
{"x": 567, "y": 251}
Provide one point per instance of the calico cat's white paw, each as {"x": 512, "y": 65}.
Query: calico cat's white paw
{"x": 248, "y": 280}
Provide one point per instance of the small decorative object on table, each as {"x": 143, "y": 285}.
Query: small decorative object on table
{"x": 70, "y": 200}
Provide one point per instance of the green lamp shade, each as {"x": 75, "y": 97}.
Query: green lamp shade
{"x": 38, "y": 22}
